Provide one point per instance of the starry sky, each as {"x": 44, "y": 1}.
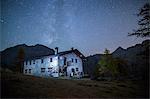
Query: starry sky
{"x": 88, "y": 25}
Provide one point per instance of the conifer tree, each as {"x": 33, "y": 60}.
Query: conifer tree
{"x": 20, "y": 58}
{"x": 144, "y": 22}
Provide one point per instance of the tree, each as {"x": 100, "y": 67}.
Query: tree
{"x": 106, "y": 52}
{"x": 108, "y": 65}
{"x": 144, "y": 27}
{"x": 20, "y": 59}
{"x": 95, "y": 73}
{"x": 111, "y": 66}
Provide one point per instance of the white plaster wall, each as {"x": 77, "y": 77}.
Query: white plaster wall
{"x": 36, "y": 68}
{"x": 56, "y": 62}
{"x": 73, "y": 65}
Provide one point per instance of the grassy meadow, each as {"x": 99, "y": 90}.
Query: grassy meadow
{"x": 15, "y": 85}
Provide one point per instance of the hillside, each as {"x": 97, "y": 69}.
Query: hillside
{"x": 9, "y": 55}
{"x": 91, "y": 62}
{"x": 137, "y": 58}
{"x": 15, "y": 85}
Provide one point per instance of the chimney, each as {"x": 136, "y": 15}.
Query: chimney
{"x": 72, "y": 48}
{"x": 56, "y": 50}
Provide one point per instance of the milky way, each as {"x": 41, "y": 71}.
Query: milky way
{"x": 89, "y": 25}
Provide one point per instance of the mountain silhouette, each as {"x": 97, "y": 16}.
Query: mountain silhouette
{"x": 9, "y": 55}
{"x": 137, "y": 58}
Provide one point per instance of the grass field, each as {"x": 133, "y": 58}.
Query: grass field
{"x": 18, "y": 85}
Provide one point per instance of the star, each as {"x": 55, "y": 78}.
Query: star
{"x": 112, "y": 7}
{"x": 60, "y": 22}
{"x": 18, "y": 27}
{"x": 1, "y": 20}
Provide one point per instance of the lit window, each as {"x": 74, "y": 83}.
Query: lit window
{"x": 76, "y": 60}
{"x": 29, "y": 70}
{"x": 51, "y": 59}
{"x": 42, "y": 60}
{"x": 42, "y": 70}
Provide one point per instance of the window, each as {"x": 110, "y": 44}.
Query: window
{"x": 42, "y": 70}
{"x": 29, "y": 71}
{"x": 81, "y": 73}
{"x": 72, "y": 70}
{"x": 76, "y": 60}
{"x": 50, "y": 69}
{"x": 33, "y": 61}
{"x": 42, "y": 60}
{"x": 77, "y": 69}
{"x": 51, "y": 59}
{"x": 26, "y": 62}
{"x": 30, "y": 62}
{"x": 69, "y": 63}
{"x": 25, "y": 70}
{"x": 72, "y": 60}
{"x": 65, "y": 59}
{"x": 55, "y": 72}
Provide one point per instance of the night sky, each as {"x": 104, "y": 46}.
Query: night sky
{"x": 88, "y": 25}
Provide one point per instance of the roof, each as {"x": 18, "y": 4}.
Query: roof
{"x": 38, "y": 57}
{"x": 78, "y": 53}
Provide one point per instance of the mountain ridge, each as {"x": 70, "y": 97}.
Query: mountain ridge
{"x": 9, "y": 55}
{"x": 137, "y": 58}
{"x": 134, "y": 55}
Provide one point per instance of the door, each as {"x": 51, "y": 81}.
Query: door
{"x": 72, "y": 72}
